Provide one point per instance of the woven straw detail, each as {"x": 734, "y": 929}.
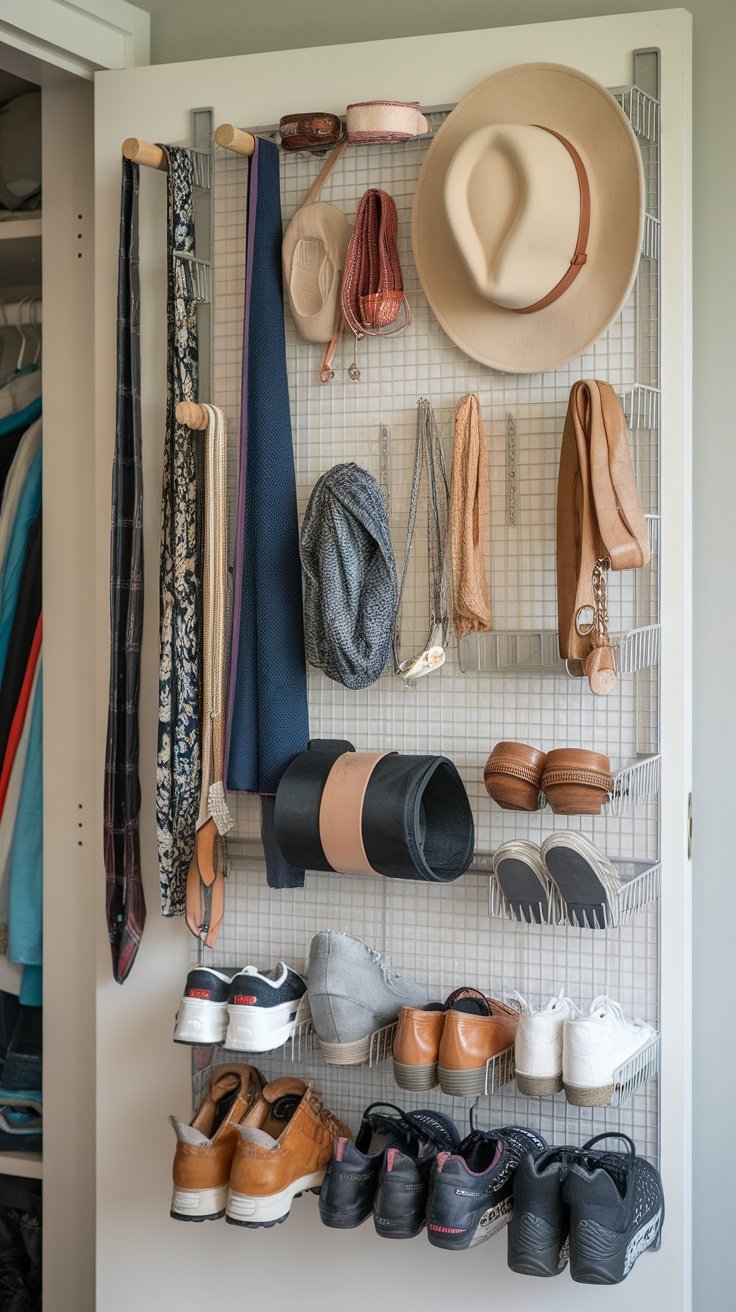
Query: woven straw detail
{"x": 515, "y": 769}
{"x": 588, "y": 778}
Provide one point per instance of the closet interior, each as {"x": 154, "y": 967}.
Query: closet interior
{"x": 21, "y": 725}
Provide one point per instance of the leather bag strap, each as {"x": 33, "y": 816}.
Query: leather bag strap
{"x": 599, "y": 516}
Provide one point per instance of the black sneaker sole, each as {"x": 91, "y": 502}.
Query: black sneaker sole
{"x": 534, "y": 1247}
{"x": 213, "y": 1216}
{"x": 342, "y": 1220}
{"x": 599, "y": 1257}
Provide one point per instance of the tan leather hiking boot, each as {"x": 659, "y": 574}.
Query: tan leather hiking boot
{"x": 468, "y": 1042}
{"x": 205, "y": 1149}
{"x": 285, "y": 1146}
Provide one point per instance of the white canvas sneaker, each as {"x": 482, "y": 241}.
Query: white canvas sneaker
{"x": 538, "y": 1046}
{"x": 594, "y": 1047}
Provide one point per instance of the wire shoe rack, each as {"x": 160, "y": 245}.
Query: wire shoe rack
{"x": 501, "y": 685}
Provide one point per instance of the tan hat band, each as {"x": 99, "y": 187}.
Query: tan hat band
{"x": 341, "y": 812}
{"x": 580, "y": 255}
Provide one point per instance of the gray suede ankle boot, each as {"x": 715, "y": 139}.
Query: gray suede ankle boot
{"x": 352, "y": 994}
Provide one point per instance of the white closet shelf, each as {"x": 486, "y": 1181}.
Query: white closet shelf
{"x": 24, "y": 226}
{"x": 29, "y": 1165}
{"x": 640, "y": 885}
{"x": 535, "y": 651}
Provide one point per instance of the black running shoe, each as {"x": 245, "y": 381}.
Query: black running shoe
{"x": 400, "y": 1202}
{"x": 538, "y": 1242}
{"x": 355, "y": 1172}
{"x": 471, "y": 1191}
{"x": 616, "y": 1211}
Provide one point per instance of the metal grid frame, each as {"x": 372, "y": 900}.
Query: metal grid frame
{"x": 443, "y": 935}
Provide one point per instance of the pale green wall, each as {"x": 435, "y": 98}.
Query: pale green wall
{"x": 191, "y": 29}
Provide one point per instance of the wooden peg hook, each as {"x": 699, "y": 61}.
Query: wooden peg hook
{"x": 191, "y": 414}
{"x": 235, "y": 139}
{"x": 144, "y": 152}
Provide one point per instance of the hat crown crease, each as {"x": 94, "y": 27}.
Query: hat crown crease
{"x": 515, "y": 244}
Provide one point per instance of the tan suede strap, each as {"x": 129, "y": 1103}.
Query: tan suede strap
{"x": 469, "y": 519}
{"x": 580, "y": 254}
{"x": 599, "y": 516}
{"x": 341, "y": 812}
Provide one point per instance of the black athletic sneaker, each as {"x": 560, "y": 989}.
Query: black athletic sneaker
{"x": 400, "y": 1202}
{"x": 538, "y": 1242}
{"x": 471, "y": 1191}
{"x": 389, "y": 1166}
{"x": 616, "y": 1211}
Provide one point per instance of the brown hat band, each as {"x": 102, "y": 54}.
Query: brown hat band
{"x": 580, "y": 255}
{"x": 341, "y": 812}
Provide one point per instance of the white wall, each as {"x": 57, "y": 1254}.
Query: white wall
{"x": 141, "y": 1075}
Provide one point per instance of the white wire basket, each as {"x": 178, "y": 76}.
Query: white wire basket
{"x": 640, "y": 886}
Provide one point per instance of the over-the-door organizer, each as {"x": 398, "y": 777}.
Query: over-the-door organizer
{"x": 507, "y": 684}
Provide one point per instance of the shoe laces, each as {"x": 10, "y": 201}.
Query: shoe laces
{"x": 562, "y": 1000}
{"x": 607, "y": 1006}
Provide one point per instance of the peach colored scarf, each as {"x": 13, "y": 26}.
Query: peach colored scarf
{"x": 469, "y": 515}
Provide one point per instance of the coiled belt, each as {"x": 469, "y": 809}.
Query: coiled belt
{"x": 374, "y": 813}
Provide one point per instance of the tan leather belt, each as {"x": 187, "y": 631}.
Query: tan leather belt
{"x": 600, "y": 525}
{"x": 341, "y": 812}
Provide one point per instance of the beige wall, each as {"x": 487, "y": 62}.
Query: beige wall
{"x": 188, "y": 29}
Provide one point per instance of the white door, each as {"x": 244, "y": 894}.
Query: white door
{"x": 141, "y": 1076}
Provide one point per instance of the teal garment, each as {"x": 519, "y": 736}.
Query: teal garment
{"x": 25, "y": 883}
{"x": 21, "y": 418}
{"x": 31, "y": 987}
{"x": 29, "y": 504}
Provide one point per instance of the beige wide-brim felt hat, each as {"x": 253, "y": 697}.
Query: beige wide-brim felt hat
{"x": 497, "y": 217}
{"x": 313, "y": 252}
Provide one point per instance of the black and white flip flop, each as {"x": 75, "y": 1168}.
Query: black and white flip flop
{"x": 523, "y": 886}
{"x": 587, "y": 883}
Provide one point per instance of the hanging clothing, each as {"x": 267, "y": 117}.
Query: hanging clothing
{"x": 20, "y": 1241}
{"x": 28, "y": 446}
{"x": 11, "y": 569}
{"x": 20, "y": 714}
{"x": 25, "y": 624}
{"x": 125, "y": 903}
{"x": 267, "y": 706}
{"x": 25, "y": 891}
{"x": 178, "y": 764}
{"x": 20, "y": 400}
{"x": 10, "y": 974}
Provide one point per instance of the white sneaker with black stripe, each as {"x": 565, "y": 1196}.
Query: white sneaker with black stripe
{"x": 264, "y": 1008}
{"x": 202, "y": 1014}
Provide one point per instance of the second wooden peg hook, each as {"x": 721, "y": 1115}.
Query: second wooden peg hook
{"x": 235, "y": 139}
{"x": 192, "y": 414}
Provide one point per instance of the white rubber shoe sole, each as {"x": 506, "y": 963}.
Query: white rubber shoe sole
{"x": 261, "y": 1029}
{"x": 198, "y": 1021}
{"x": 199, "y": 1204}
{"x": 243, "y": 1209}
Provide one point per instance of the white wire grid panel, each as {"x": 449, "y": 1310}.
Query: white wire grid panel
{"x": 443, "y": 935}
